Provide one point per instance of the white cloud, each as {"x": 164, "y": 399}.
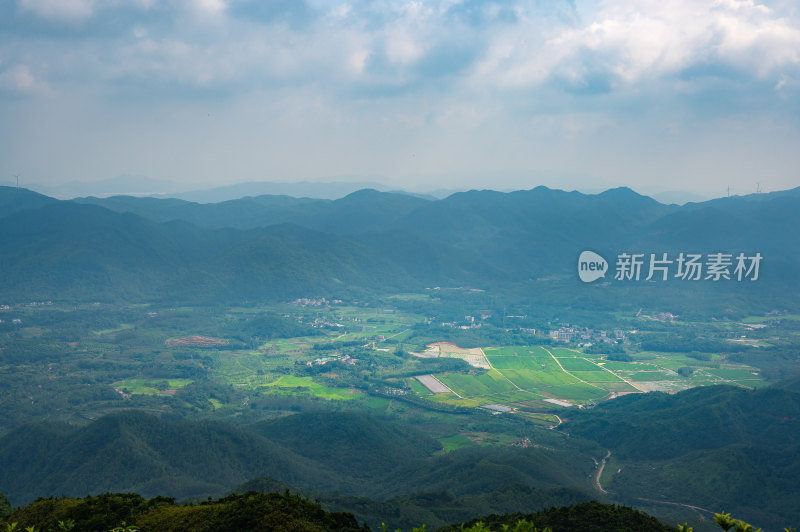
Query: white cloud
{"x": 19, "y": 79}
{"x": 646, "y": 40}
{"x": 625, "y": 42}
{"x": 210, "y": 7}
{"x": 405, "y": 35}
{"x": 358, "y": 59}
{"x": 481, "y": 83}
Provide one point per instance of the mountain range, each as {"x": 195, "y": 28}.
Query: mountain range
{"x": 276, "y": 247}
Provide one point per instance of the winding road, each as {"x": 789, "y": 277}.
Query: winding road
{"x": 599, "y": 472}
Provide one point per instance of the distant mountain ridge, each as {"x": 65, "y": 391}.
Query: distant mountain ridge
{"x": 142, "y": 186}
{"x": 299, "y": 189}
{"x": 279, "y": 247}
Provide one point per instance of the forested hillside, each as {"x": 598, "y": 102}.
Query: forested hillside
{"x": 349, "y": 454}
{"x": 279, "y": 247}
{"x": 717, "y": 448}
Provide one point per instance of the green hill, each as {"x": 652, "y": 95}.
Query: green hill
{"x": 332, "y": 455}
{"x": 436, "y": 509}
{"x": 251, "y": 511}
{"x": 349, "y": 442}
{"x": 133, "y": 451}
{"x": 286, "y": 512}
{"x": 717, "y": 448}
{"x": 582, "y": 517}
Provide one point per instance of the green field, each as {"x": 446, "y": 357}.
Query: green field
{"x": 489, "y": 383}
{"x": 577, "y": 392}
{"x": 578, "y": 364}
{"x": 629, "y": 366}
{"x": 545, "y": 420}
{"x": 762, "y": 319}
{"x": 619, "y": 387}
{"x": 458, "y": 441}
{"x": 150, "y": 386}
{"x": 524, "y": 374}
{"x": 289, "y": 384}
{"x": 560, "y": 352}
{"x": 596, "y": 376}
{"x": 503, "y": 362}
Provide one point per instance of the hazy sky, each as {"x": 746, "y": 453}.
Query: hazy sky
{"x": 662, "y": 94}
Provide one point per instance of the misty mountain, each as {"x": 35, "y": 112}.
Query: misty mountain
{"x": 678, "y": 197}
{"x": 122, "y": 184}
{"x": 67, "y": 250}
{"x": 278, "y": 247}
{"x": 71, "y": 249}
{"x": 538, "y": 232}
{"x": 19, "y": 199}
{"x": 364, "y": 210}
{"x": 300, "y": 189}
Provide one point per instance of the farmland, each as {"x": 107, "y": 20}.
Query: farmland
{"x": 521, "y": 376}
{"x": 150, "y": 386}
{"x": 264, "y": 361}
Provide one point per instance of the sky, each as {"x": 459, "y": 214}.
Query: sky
{"x": 658, "y": 95}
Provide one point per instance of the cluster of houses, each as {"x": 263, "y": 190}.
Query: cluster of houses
{"x": 470, "y": 322}
{"x": 587, "y": 336}
{"x": 29, "y": 304}
{"x": 661, "y": 316}
{"x": 321, "y": 302}
{"x": 347, "y": 359}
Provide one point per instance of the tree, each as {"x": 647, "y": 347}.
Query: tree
{"x": 726, "y": 523}
{"x": 5, "y": 506}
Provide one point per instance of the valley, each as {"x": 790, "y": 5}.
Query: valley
{"x": 411, "y": 366}
{"x": 374, "y": 354}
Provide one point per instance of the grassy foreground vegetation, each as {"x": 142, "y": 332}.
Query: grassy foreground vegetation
{"x": 278, "y": 512}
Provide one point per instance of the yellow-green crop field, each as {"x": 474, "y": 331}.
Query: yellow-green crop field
{"x": 525, "y": 377}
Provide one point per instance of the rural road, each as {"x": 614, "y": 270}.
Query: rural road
{"x": 599, "y": 472}
{"x": 695, "y": 508}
